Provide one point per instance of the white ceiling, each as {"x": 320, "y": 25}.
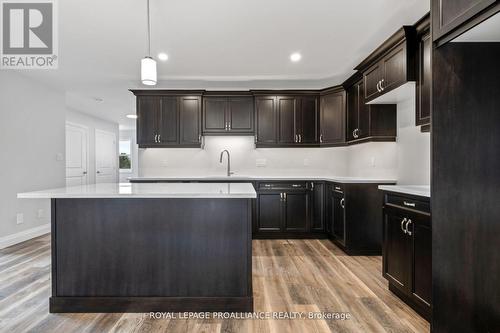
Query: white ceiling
{"x": 218, "y": 44}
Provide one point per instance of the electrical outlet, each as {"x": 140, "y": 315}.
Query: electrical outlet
{"x": 40, "y": 214}
{"x": 20, "y": 218}
{"x": 306, "y": 162}
{"x": 260, "y": 162}
{"x": 372, "y": 162}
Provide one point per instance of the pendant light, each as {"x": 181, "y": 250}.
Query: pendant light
{"x": 148, "y": 64}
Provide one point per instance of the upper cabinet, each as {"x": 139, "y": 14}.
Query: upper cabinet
{"x": 424, "y": 75}
{"x": 286, "y": 120}
{"x": 366, "y": 122}
{"x": 389, "y": 67}
{"x": 450, "y": 18}
{"x": 168, "y": 119}
{"x": 332, "y": 117}
{"x": 228, "y": 115}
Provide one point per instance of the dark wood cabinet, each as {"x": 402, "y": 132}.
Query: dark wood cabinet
{"x": 166, "y": 119}
{"x": 287, "y": 120}
{"x": 338, "y": 215}
{"x": 332, "y": 117}
{"x": 450, "y": 18}
{"x": 228, "y": 115}
{"x": 367, "y": 122}
{"x": 283, "y": 209}
{"x": 407, "y": 250}
{"x": 423, "y": 92}
{"x": 318, "y": 206}
{"x": 390, "y": 66}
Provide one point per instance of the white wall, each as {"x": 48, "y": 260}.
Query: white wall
{"x": 130, "y": 134}
{"x": 414, "y": 148}
{"x": 93, "y": 123}
{"x": 32, "y": 147}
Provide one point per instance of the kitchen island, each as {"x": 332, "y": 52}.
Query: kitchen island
{"x": 151, "y": 247}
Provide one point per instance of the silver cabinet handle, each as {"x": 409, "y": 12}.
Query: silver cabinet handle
{"x": 409, "y": 204}
{"x": 406, "y": 227}
{"x": 402, "y": 225}
{"x": 199, "y": 137}
{"x": 156, "y": 138}
{"x": 321, "y": 138}
{"x": 337, "y": 188}
{"x": 85, "y": 172}
{"x": 300, "y": 138}
{"x": 159, "y": 138}
{"x": 98, "y": 172}
{"x": 295, "y": 185}
{"x": 382, "y": 85}
{"x": 312, "y": 186}
{"x": 378, "y": 89}
{"x": 281, "y": 196}
{"x": 284, "y": 196}
{"x": 225, "y": 125}
{"x": 342, "y": 203}
{"x": 229, "y": 125}
{"x": 296, "y": 140}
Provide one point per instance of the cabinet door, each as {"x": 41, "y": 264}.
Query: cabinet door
{"x": 240, "y": 115}
{"x": 269, "y": 207}
{"x": 266, "y": 119}
{"x": 423, "y": 109}
{"x": 447, "y": 15}
{"x": 318, "y": 207}
{"x": 371, "y": 78}
{"x": 394, "y": 68}
{"x": 332, "y": 120}
{"x": 338, "y": 213}
{"x": 147, "y": 119}
{"x": 287, "y": 109}
{"x": 214, "y": 115}
{"x": 296, "y": 213}
{"x": 352, "y": 111}
{"x": 397, "y": 250}
{"x": 329, "y": 209}
{"x": 364, "y": 114}
{"x": 169, "y": 124}
{"x": 308, "y": 121}
{"x": 190, "y": 120}
{"x": 420, "y": 228}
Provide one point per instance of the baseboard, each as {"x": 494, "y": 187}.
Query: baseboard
{"x": 24, "y": 235}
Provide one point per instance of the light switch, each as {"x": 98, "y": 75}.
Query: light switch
{"x": 19, "y": 218}
{"x": 372, "y": 162}
{"x": 40, "y": 214}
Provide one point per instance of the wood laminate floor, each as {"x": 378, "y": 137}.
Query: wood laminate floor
{"x": 288, "y": 276}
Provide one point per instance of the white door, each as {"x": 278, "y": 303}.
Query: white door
{"x": 106, "y": 157}
{"x": 77, "y": 146}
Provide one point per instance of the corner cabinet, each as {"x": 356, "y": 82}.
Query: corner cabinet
{"x": 289, "y": 120}
{"x": 367, "y": 122}
{"x": 450, "y": 18}
{"x": 232, "y": 115}
{"x": 166, "y": 119}
{"x": 407, "y": 250}
{"x": 332, "y": 117}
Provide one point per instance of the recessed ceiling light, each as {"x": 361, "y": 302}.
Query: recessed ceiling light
{"x": 163, "y": 56}
{"x": 132, "y": 116}
{"x": 295, "y": 57}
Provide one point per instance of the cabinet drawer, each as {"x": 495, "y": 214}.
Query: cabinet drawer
{"x": 408, "y": 203}
{"x": 282, "y": 186}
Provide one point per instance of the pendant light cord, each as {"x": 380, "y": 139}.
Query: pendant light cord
{"x": 149, "y": 32}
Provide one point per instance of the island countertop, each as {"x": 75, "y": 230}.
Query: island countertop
{"x": 418, "y": 190}
{"x": 147, "y": 190}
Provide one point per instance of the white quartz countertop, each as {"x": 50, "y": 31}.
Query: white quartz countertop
{"x": 420, "y": 190}
{"x": 147, "y": 190}
{"x": 267, "y": 177}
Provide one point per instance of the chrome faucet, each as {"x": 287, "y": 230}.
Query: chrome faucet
{"x": 229, "y": 173}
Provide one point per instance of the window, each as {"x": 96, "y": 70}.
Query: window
{"x": 125, "y": 158}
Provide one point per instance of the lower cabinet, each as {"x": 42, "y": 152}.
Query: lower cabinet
{"x": 353, "y": 218}
{"x": 407, "y": 250}
{"x": 283, "y": 210}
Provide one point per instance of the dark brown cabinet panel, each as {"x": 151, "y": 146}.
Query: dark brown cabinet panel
{"x": 318, "y": 207}
{"x": 169, "y": 124}
{"x": 308, "y": 120}
{"x": 228, "y": 115}
{"x": 453, "y": 17}
{"x": 372, "y": 79}
{"x": 423, "y": 107}
{"x": 148, "y": 120}
{"x": 214, "y": 115}
{"x": 190, "y": 120}
{"x": 394, "y": 68}
{"x": 338, "y": 215}
{"x": 270, "y": 211}
{"x": 240, "y": 115}
{"x": 296, "y": 208}
{"x": 287, "y": 113}
{"x": 407, "y": 250}
{"x": 333, "y": 118}
{"x": 266, "y": 120}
